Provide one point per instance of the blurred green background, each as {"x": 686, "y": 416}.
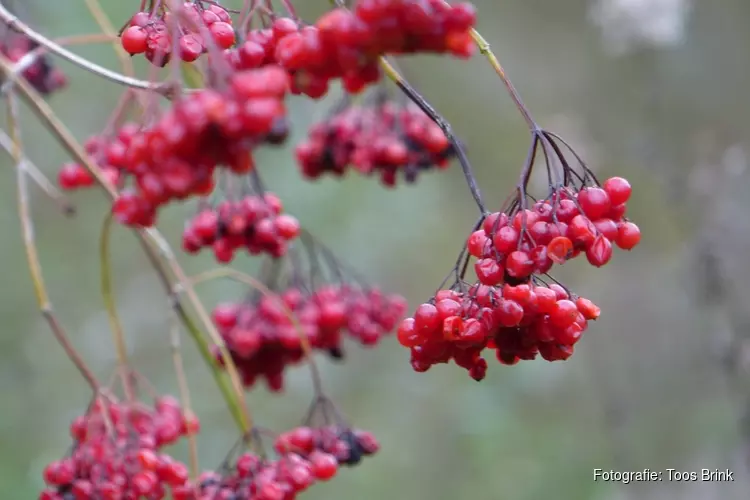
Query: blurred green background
{"x": 652, "y": 90}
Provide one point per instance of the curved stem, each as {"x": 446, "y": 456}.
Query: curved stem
{"x": 14, "y": 23}
{"x": 441, "y": 122}
{"x": 32, "y": 257}
{"x": 118, "y": 336}
{"x": 65, "y": 205}
{"x": 179, "y": 368}
{"x": 484, "y": 49}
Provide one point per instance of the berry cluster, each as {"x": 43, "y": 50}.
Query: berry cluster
{"x": 152, "y": 35}
{"x": 518, "y": 322}
{"x": 263, "y": 340}
{"x": 510, "y": 248}
{"x": 346, "y": 44}
{"x": 385, "y": 139}
{"x": 40, "y": 73}
{"x": 510, "y": 309}
{"x": 306, "y": 456}
{"x": 116, "y": 453}
{"x": 254, "y": 223}
{"x": 176, "y": 157}
{"x": 107, "y": 152}
{"x": 347, "y": 446}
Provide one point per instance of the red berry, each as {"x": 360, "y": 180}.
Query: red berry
{"x": 618, "y": 190}
{"x": 599, "y": 252}
{"x": 223, "y": 34}
{"x": 594, "y": 202}
{"x": 628, "y": 236}
{"x": 134, "y": 40}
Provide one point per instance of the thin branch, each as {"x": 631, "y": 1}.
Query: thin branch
{"x": 14, "y": 23}
{"x": 444, "y": 125}
{"x": 118, "y": 336}
{"x": 179, "y": 368}
{"x": 35, "y": 267}
{"x": 484, "y": 49}
{"x": 66, "y": 206}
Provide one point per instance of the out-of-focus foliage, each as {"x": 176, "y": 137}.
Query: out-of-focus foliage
{"x": 655, "y": 91}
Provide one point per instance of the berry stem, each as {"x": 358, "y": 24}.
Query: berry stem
{"x": 444, "y": 125}
{"x": 66, "y": 206}
{"x": 32, "y": 256}
{"x": 15, "y": 24}
{"x": 484, "y": 48}
{"x": 110, "y": 306}
{"x": 226, "y": 272}
{"x": 150, "y": 239}
{"x": 185, "y": 400}
{"x": 223, "y": 381}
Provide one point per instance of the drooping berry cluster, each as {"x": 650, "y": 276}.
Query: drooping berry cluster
{"x": 254, "y": 223}
{"x": 305, "y": 456}
{"x": 152, "y": 35}
{"x": 385, "y": 139}
{"x": 116, "y": 453}
{"x": 512, "y": 248}
{"x": 176, "y": 157}
{"x": 511, "y": 309}
{"x": 518, "y": 322}
{"x": 263, "y": 339}
{"x": 107, "y": 152}
{"x": 347, "y": 44}
{"x": 40, "y": 73}
{"x": 347, "y": 446}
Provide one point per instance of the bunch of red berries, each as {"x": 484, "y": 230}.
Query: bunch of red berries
{"x": 386, "y": 139}
{"x": 152, "y": 34}
{"x": 305, "y": 456}
{"x": 107, "y": 152}
{"x": 510, "y": 309}
{"x": 265, "y": 336}
{"x": 116, "y": 453}
{"x": 518, "y": 322}
{"x": 347, "y": 446}
{"x": 512, "y": 248}
{"x": 176, "y": 157}
{"x": 347, "y": 44}
{"x": 254, "y": 223}
{"x": 39, "y": 72}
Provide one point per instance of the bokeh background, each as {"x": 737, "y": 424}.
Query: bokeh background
{"x": 655, "y": 90}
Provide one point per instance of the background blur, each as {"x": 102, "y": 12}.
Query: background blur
{"x": 655, "y": 90}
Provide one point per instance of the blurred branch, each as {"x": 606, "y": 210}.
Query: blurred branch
{"x": 35, "y": 268}
{"x": 188, "y": 415}
{"x": 65, "y": 205}
{"x": 118, "y": 336}
{"x": 151, "y": 240}
{"x": 14, "y": 23}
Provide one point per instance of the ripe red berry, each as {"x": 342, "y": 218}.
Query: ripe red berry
{"x": 628, "y": 236}
{"x": 134, "y": 40}
{"x": 594, "y": 202}
{"x": 599, "y": 252}
{"x": 223, "y": 34}
{"x": 618, "y": 189}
